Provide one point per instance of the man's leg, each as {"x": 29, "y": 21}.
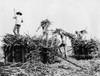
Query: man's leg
{"x": 65, "y": 52}
{"x": 14, "y": 30}
{"x": 62, "y": 45}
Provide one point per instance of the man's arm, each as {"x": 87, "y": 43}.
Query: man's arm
{"x": 38, "y": 28}
{"x": 14, "y": 17}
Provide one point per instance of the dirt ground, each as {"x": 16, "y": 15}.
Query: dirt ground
{"x": 64, "y": 68}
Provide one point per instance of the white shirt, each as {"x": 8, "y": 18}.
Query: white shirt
{"x": 18, "y": 20}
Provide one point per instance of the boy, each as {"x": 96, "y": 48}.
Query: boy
{"x": 18, "y": 21}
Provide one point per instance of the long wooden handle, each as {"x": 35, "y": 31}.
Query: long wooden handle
{"x": 14, "y": 12}
{"x": 38, "y": 28}
{"x": 15, "y": 17}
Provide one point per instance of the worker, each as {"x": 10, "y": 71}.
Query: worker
{"x": 80, "y": 34}
{"x": 18, "y": 22}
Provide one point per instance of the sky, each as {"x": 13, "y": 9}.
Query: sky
{"x": 70, "y": 15}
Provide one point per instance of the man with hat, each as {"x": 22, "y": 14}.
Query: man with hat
{"x": 44, "y": 24}
{"x": 18, "y": 21}
{"x": 80, "y": 34}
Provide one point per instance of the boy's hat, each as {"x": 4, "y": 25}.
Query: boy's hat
{"x": 18, "y": 13}
{"x": 83, "y": 31}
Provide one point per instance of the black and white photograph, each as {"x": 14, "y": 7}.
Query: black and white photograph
{"x": 49, "y": 38}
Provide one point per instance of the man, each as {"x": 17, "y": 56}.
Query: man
{"x": 18, "y": 21}
{"x": 80, "y": 34}
{"x": 44, "y": 24}
{"x": 63, "y": 43}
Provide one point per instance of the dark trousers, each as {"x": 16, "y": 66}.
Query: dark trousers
{"x": 16, "y": 29}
